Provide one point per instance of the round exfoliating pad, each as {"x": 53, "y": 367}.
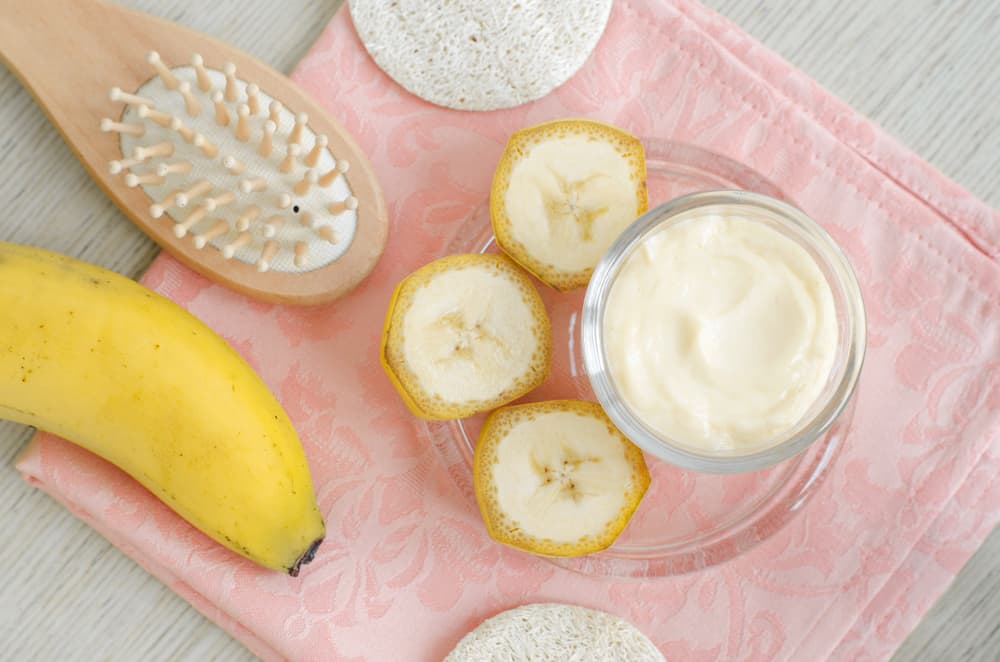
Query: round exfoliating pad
{"x": 547, "y": 632}
{"x": 480, "y": 54}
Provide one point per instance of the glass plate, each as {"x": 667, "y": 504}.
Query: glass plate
{"x": 687, "y": 520}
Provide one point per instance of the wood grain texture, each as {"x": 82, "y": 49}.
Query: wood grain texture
{"x": 926, "y": 70}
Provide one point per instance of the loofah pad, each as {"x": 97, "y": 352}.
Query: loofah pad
{"x": 480, "y": 54}
{"x": 549, "y": 632}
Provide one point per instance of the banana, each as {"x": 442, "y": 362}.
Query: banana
{"x": 562, "y": 193}
{"x": 556, "y": 478}
{"x": 125, "y": 373}
{"x": 464, "y": 334}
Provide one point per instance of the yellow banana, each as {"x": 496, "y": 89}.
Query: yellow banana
{"x": 125, "y": 373}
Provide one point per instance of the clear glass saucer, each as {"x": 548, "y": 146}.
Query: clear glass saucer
{"x": 687, "y": 520}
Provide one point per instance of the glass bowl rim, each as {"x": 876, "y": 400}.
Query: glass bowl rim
{"x": 595, "y": 359}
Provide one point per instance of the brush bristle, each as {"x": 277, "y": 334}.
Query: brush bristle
{"x": 217, "y": 175}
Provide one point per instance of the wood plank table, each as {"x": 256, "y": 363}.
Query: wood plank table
{"x": 928, "y": 71}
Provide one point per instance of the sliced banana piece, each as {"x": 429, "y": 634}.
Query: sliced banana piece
{"x": 562, "y": 193}
{"x": 556, "y": 478}
{"x": 464, "y": 334}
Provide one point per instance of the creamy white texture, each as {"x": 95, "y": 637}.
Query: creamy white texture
{"x": 720, "y": 332}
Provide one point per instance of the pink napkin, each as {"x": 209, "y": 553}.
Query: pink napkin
{"x": 407, "y": 568}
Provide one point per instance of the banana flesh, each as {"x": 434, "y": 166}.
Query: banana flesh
{"x": 568, "y": 199}
{"x": 562, "y": 193}
{"x": 464, "y": 334}
{"x": 556, "y": 478}
{"x": 123, "y": 372}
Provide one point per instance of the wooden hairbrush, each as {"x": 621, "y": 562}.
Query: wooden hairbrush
{"x": 221, "y": 160}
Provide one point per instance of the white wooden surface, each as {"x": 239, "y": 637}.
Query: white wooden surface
{"x": 927, "y": 70}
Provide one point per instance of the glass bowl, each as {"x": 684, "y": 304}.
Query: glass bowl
{"x": 688, "y": 520}
{"x": 793, "y": 224}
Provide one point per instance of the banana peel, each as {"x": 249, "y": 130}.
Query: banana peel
{"x": 127, "y": 374}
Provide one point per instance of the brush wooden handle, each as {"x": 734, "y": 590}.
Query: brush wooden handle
{"x": 70, "y": 53}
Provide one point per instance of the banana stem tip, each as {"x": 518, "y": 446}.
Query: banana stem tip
{"x": 306, "y": 557}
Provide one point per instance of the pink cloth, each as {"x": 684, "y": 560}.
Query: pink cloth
{"x": 407, "y": 568}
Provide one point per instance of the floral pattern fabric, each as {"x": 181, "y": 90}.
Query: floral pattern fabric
{"x": 407, "y": 567}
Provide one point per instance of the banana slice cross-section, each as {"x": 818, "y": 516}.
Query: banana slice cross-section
{"x": 464, "y": 334}
{"x": 562, "y": 193}
{"x": 556, "y": 478}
